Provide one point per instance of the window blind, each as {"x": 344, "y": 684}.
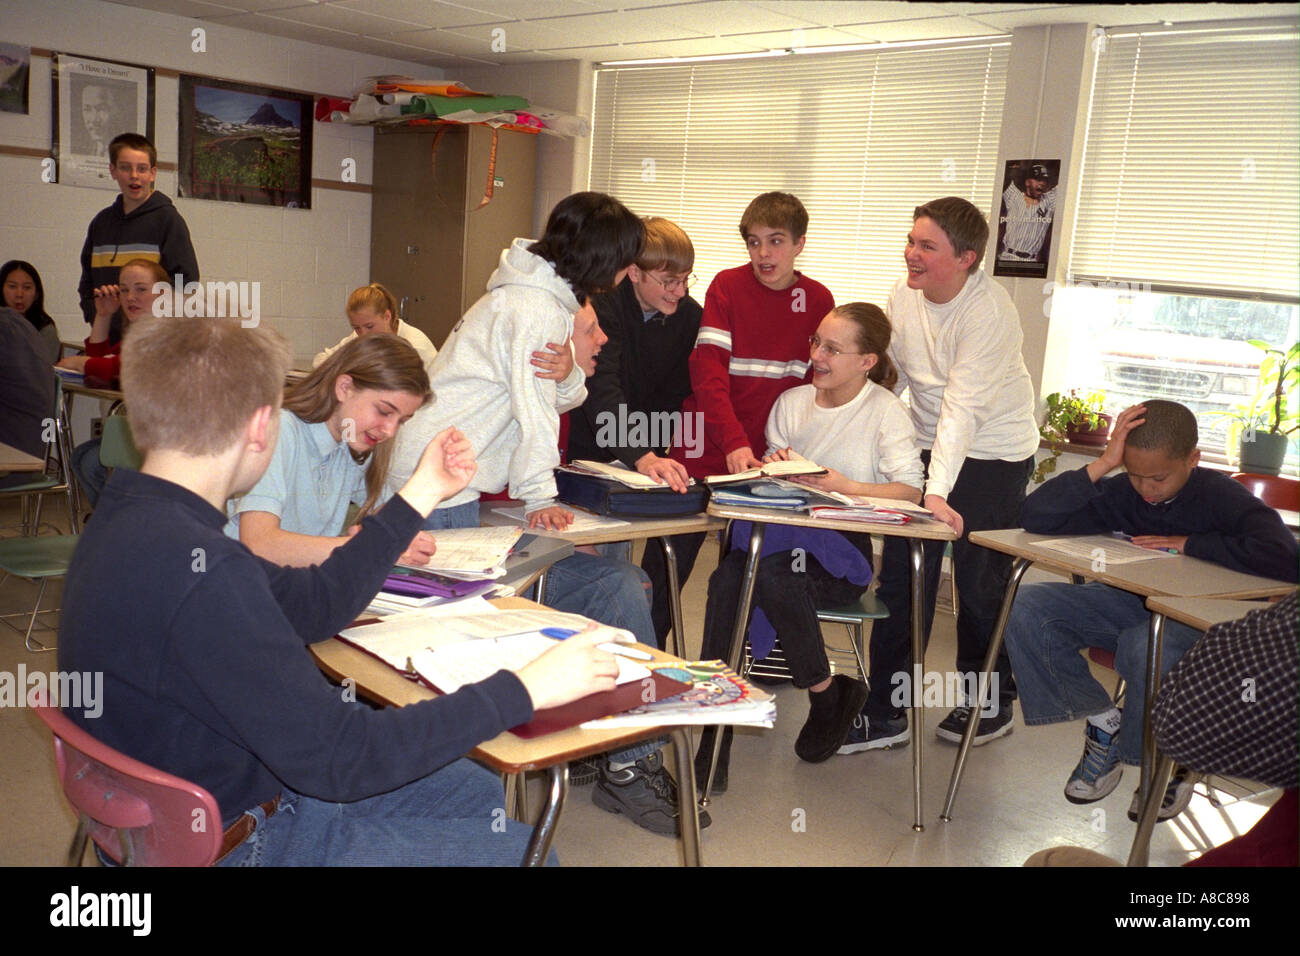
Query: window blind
{"x": 861, "y": 138}
{"x": 1190, "y": 170}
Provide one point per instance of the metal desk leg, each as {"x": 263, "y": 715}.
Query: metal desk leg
{"x": 63, "y": 431}
{"x": 1155, "y": 651}
{"x": 540, "y": 588}
{"x": 688, "y": 813}
{"x": 918, "y": 674}
{"x": 738, "y": 635}
{"x": 1138, "y": 853}
{"x": 1018, "y": 568}
{"x": 539, "y": 845}
{"x": 674, "y": 598}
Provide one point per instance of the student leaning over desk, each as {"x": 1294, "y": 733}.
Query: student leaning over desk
{"x": 1166, "y": 503}
{"x": 202, "y": 644}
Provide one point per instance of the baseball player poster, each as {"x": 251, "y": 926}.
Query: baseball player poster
{"x": 1029, "y": 192}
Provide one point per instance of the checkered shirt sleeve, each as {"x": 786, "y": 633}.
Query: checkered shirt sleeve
{"x": 1229, "y": 704}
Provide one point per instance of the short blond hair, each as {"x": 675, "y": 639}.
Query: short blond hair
{"x": 666, "y": 247}
{"x": 191, "y": 385}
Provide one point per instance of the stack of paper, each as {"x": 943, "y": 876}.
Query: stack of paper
{"x": 867, "y": 509}
{"x": 617, "y": 471}
{"x": 471, "y": 554}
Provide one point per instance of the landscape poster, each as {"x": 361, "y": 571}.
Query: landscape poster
{"x": 241, "y": 143}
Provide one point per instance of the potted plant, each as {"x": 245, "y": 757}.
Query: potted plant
{"x": 1073, "y": 417}
{"x": 1261, "y": 427}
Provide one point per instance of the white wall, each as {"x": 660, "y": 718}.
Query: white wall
{"x": 306, "y": 260}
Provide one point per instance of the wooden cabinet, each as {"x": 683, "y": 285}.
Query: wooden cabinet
{"x": 430, "y": 241}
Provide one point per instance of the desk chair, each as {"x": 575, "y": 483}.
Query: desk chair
{"x": 36, "y": 558}
{"x": 116, "y": 446}
{"x": 53, "y": 479}
{"x": 1276, "y": 491}
{"x": 854, "y": 616}
{"x": 157, "y": 819}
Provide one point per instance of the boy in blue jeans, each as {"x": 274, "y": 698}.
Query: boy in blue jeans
{"x": 1164, "y": 502}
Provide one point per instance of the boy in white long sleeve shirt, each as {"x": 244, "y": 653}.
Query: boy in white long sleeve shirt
{"x": 956, "y": 344}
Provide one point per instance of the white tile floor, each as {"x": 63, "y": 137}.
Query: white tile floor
{"x": 849, "y": 811}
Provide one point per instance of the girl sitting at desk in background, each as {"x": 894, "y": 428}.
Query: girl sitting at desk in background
{"x": 134, "y": 295}
{"x": 21, "y": 290}
{"x": 372, "y": 309}
{"x": 851, "y": 423}
{"x": 334, "y": 448}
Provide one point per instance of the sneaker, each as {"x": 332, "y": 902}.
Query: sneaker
{"x": 830, "y": 714}
{"x": 953, "y": 727}
{"x": 705, "y": 754}
{"x": 643, "y": 792}
{"x": 880, "y": 735}
{"x": 1177, "y": 795}
{"x": 584, "y": 771}
{"x": 1098, "y": 770}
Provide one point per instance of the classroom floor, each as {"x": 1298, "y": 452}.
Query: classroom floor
{"x": 849, "y": 811}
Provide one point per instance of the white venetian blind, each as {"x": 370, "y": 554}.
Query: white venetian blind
{"x": 1190, "y": 170}
{"x": 861, "y": 138}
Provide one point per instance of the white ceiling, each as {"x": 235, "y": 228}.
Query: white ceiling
{"x": 486, "y": 32}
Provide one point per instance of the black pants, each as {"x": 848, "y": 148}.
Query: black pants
{"x": 686, "y": 548}
{"x": 789, "y": 592}
{"x": 988, "y": 495}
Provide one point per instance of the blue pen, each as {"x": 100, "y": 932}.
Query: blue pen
{"x": 560, "y": 633}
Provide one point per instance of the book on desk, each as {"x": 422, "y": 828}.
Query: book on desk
{"x": 451, "y": 645}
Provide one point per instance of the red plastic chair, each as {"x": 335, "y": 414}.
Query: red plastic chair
{"x": 158, "y": 819}
{"x": 1276, "y": 491}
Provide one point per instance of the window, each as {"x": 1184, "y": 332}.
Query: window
{"x": 861, "y": 138}
{"x": 1185, "y": 243}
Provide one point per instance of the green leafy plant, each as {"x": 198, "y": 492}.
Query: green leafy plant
{"x": 1071, "y": 411}
{"x": 1274, "y": 408}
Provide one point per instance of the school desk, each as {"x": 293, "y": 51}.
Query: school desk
{"x": 1158, "y": 576}
{"x": 11, "y": 459}
{"x": 509, "y": 754}
{"x": 636, "y": 529}
{"x": 917, "y": 530}
{"x": 1202, "y": 614}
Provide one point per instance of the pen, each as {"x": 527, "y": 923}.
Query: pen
{"x": 560, "y": 633}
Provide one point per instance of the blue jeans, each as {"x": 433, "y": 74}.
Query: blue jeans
{"x": 90, "y": 473}
{"x": 1051, "y": 623}
{"x": 608, "y": 590}
{"x": 453, "y": 817}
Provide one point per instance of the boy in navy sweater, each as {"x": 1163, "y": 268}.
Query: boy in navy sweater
{"x": 203, "y": 646}
{"x": 1165, "y": 503}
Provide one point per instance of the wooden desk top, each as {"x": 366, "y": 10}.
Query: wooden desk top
{"x": 1176, "y": 576}
{"x": 918, "y": 527}
{"x": 11, "y": 459}
{"x": 1203, "y": 613}
{"x": 81, "y": 388}
{"x": 635, "y": 529}
{"x": 505, "y": 753}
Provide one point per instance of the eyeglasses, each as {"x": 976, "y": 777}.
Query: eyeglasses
{"x": 831, "y": 351}
{"x": 674, "y": 283}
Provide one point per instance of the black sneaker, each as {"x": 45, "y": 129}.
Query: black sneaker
{"x": 584, "y": 771}
{"x": 1177, "y": 796}
{"x": 953, "y": 727}
{"x": 830, "y": 714}
{"x": 705, "y": 754}
{"x": 644, "y": 792}
{"x": 867, "y": 734}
